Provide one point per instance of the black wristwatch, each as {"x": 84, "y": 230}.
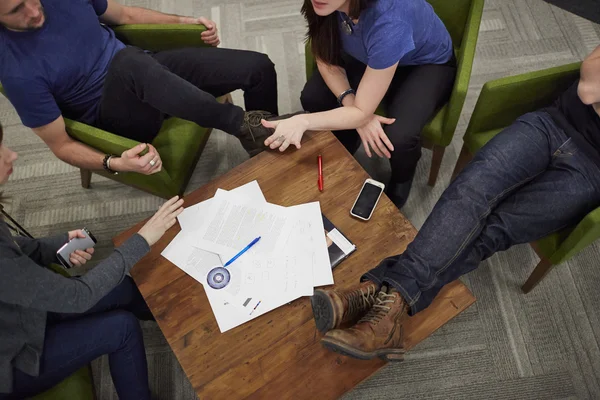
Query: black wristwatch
{"x": 340, "y": 98}
{"x": 106, "y": 164}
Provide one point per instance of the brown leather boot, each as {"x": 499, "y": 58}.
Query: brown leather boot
{"x": 334, "y": 307}
{"x": 380, "y": 333}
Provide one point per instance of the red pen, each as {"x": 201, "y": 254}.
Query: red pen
{"x": 320, "y": 181}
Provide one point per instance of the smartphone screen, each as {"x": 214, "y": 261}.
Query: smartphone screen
{"x": 366, "y": 200}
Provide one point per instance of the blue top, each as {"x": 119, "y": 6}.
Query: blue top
{"x": 60, "y": 68}
{"x": 392, "y": 31}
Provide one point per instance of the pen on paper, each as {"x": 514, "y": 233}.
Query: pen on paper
{"x": 245, "y": 249}
{"x": 255, "y": 307}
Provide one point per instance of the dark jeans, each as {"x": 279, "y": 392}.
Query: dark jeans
{"x": 415, "y": 94}
{"x": 527, "y": 182}
{"x": 141, "y": 89}
{"x": 74, "y": 340}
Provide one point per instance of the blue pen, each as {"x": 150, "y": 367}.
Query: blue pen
{"x": 245, "y": 249}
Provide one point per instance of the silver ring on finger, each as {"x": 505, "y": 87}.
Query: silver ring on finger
{"x": 281, "y": 138}
{"x": 152, "y": 163}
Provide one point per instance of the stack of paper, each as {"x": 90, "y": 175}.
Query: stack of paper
{"x": 290, "y": 259}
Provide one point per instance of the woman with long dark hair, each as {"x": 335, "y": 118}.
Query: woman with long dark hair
{"x": 371, "y": 51}
{"x": 51, "y": 325}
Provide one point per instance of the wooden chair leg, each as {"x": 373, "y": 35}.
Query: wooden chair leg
{"x": 436, "y": 163}
{"x": 86, "y": 178}
{"x": 537, "y": 275}
{"x": 463, "y": 159}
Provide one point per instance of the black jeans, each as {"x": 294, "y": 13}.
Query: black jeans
{"x": 142, "y": 89}
{"x": 415, "y": 94}
{"x": 73, "y": 341}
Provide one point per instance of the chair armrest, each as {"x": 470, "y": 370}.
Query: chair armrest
{"x": 464, "y": 67}
{"x": 106, "y": 142}
{"x": 100, "y": 140}
{"x": 584, "y": 234}
{"x": 502, "y": 101}
{"x": 155, "y": 37}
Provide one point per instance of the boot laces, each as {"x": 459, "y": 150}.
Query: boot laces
{"x": 379, "y": 309}
{"x": 253, "y": 118}
{"x": 358, "y": 300}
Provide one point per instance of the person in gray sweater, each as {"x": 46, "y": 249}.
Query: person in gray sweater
{"x": 52, "y": 325}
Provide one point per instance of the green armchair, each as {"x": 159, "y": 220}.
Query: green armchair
{"x": 501, "y": 102}
{"x": 80, "y": 384}
{"x": 179, "y": 142}
{"x": 462, "y": 19}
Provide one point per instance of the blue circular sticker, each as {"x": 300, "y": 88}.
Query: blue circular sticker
{"x": 218, "y": 278}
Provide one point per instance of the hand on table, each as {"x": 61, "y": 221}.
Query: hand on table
{"x": 373, "y": 137}
{"x": 131, "y": 160}
{"x": 79, "y": 257}
{"x": 165, "y": 217}
{"x": 287, "y": 131}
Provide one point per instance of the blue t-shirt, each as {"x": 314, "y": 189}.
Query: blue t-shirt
{"x": 407, "y": 32}
{"x": 60, "y": 68}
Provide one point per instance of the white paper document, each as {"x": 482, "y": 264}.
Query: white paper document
{"x": 192, "y": 216}
{"x": 288, "y": 262}
{"x": 233, "y": 222}
{"x": 308, "y": 237}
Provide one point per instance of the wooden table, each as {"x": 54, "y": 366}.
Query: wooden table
{"x": 278, "y": 355}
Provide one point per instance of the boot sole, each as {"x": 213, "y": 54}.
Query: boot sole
{"x": 323, "y": 311}
{"x": 393, "y": 355}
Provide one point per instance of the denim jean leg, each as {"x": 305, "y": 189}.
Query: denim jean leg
{"x": 513, "y": 158}
{"x": 72, "y": 344}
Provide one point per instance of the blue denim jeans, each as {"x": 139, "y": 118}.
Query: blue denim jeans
{"x": 530, "y": 180}
{"x": 74, "y": 340}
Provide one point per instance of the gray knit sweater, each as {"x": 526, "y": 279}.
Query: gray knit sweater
{"x": 28, "y": 291}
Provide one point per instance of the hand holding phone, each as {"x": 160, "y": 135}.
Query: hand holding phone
{"x": 367, "y": 199}
{"x": 68, "y": 254}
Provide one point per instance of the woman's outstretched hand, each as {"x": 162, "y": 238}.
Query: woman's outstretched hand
{"x": 287, "y": 131}
{"x": 165, "y": 217}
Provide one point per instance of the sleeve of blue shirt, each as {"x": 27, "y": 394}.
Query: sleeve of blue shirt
{"x": 100, "y": 6}
{"x": 387, "y": 41}
{"x": 33, "y": 101}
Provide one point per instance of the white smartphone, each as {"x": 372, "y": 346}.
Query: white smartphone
{"x": 64, "y": 252}
{"x": 367, "y": 199}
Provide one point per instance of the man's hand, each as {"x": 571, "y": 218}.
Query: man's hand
{"x": 79, "y": 257}
{"x": 373, "y": 137}
{"x": 131, "y": 160}
{"x": 211, "y": 35}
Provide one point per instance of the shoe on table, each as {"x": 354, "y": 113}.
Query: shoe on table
{"x": 380, "y": 333}
{"x": 252, "y": 134}
{"x": 333, "y": 308}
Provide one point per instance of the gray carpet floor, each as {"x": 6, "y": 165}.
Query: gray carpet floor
{"x": 506, "y": 346}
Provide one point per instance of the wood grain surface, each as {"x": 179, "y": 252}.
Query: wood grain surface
{"x": 278, "y": 355}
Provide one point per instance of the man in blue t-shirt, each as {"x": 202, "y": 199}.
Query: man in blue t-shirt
{"x": 59, "y": 58}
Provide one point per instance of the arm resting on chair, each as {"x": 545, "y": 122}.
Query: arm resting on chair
{"x": 68, "y": 150}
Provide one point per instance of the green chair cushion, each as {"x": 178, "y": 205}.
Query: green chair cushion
{"x": 78, "y": 386}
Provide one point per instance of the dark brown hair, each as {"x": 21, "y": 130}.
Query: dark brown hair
{"x": 323, "y": 32}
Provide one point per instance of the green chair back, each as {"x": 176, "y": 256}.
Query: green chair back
{"x": 455, "y": 15}
{"x": 502, "y": 101}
